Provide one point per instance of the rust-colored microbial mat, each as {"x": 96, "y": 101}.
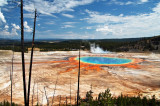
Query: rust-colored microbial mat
{"x": 141, "y": 76}
{"x": 73, "y": 61}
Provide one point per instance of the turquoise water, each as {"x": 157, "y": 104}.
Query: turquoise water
{"x": 104, "y": 60}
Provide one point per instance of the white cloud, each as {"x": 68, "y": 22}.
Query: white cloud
{"x": 88, "y": 27}
{"x": 2, "y": 18}
{"x": 128, "y": 2}
{"x": 157, "y": 8}
{"x": 14, "y": 32}
{"x": 95, "y": 17}
{"x": 67, "y": 26}
{"x": 28, "y": 15}
{"x": 67, "y": 35}
{"x": 16, "y": 26}
{"x": 5, "y": 33}
{"x": 70, "y": 23}
{"x": 56, "y": 6}
{"x": 2, "y": 3}
{"x": 8, "y": 33}
{"x": 5, "y": 9}
{"x": 121, "y": 3}
{"x": 68, "y": 15}
{"x": 14, "y": 29}
{"x": 6, "y": 27}
{"x": 143, "y": 1}
{"x": 50, "y": 22}
{"x": 126, "y": 26}
{"x": 104, "y": 29}
{"x": 26, "y": 27}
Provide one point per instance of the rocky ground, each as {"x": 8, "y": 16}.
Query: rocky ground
{"x": 141, "y": 77}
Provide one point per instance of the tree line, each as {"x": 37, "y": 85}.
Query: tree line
{"x": 106, "y": 99}
{"x": 67, "y": 45}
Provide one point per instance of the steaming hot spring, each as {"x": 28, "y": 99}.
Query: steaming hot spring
{"x": 131, "y": 74}
{"x": 104, "y": 60}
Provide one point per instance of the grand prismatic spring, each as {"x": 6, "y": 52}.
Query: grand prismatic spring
{"x": 104, "y": 60}
{"x": 131, "y": 74}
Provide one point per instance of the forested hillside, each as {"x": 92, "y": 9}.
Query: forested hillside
{"x": 145, "y": 44}
{"x": 115, "y": 45}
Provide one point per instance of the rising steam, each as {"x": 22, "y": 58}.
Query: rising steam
{"x": 96, "y": 49}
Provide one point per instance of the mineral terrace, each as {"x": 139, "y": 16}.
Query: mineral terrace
{"x": 141, "y": 77}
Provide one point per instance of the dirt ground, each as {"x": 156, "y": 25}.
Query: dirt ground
{"x": 141, "y": 77}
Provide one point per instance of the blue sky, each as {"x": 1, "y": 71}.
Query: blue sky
{"x": 82, "y": 19}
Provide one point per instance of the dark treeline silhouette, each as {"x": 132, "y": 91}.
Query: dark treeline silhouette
{"x": 115, "y": 45}
{"x": 106, "y": 99}
{"x": 65, "y": 45}
{"x": 6, "y": 103}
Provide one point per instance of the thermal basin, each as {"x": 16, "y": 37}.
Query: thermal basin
{"x": 104, "y": 60}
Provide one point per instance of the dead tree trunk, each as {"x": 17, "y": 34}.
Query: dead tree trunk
{"x": 37, "y": 94}
{"x": 11, "y": 77}
{"x": 60, "y": 101}
{"x": 22, "y": 53}
{"x": 75, "y": 99}
{"x": 78, "y": 77}
{"x": 30, "y": 68}
{"x": 33, "y": 93}
{"x": 54, "y": 90}
{"x": 66, "y": 100}
{"x": 70, "y": 91}
{"x": 42, "y": 99}
{"x": 46, "y": 97}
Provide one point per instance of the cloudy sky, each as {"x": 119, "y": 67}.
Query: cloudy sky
{"x": 82, "y": 19}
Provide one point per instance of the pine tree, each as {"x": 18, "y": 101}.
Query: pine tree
{"x": 105, "y": 98}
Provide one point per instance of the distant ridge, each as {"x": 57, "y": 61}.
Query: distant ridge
{"x": 144, "y": 44}
{"x": 61, "y": 39}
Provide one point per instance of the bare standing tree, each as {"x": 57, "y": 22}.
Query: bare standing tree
{"x": 78, "y": 76}
{"x": 66, "y": 100}
{"x": 22, "y": 53}
{"x": 33, "y": 93}
{"x": 75, "y": 98}
{"x": 37, "y": 94}
{"x": 11, "y": 74}
{"x": 70, "y": 91}
{"x": 30, "y": 68}
{"x": 46, "y": 97}
{"x": 54, "y": 90}
{"x": 26, "y": 94}
{"x": 42, "y": 98}
{"x": 60, "y": 101}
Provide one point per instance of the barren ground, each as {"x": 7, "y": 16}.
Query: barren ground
{"x": 141, "y": 77}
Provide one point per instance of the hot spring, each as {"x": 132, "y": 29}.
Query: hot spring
{"x": 104, "y": 60}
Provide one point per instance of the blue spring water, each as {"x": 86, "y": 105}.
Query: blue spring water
{"x": 104, "y": 60}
